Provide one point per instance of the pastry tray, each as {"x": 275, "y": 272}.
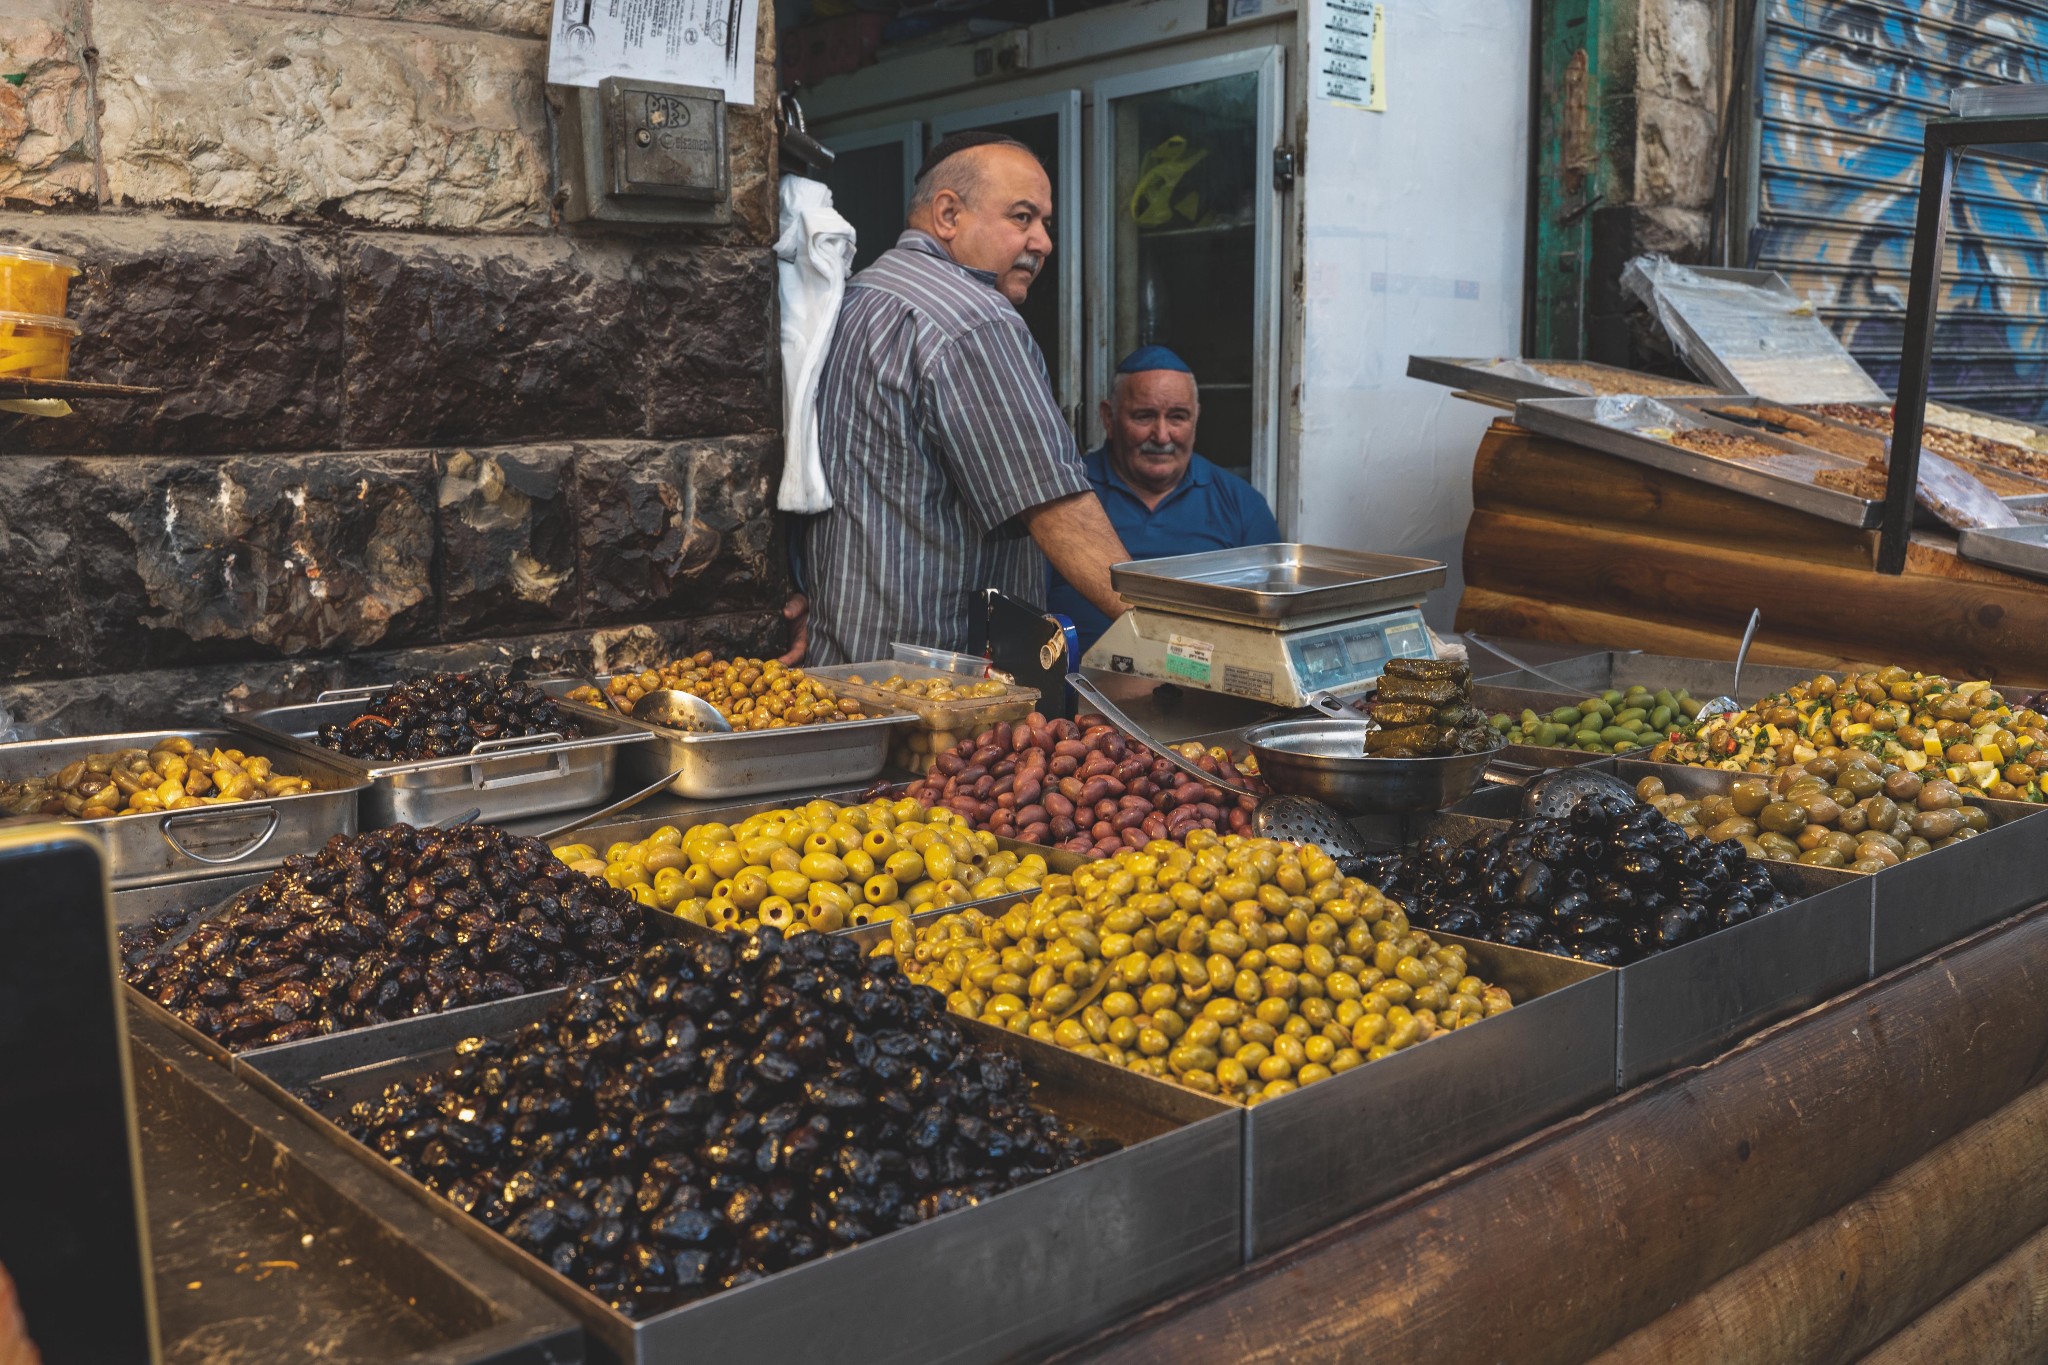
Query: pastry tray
{"x": 1513, "y": 380}
{"x": 1628, "y": 428}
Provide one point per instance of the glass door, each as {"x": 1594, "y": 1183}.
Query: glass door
{"x": 870, "y": 182}
{"x": 1049, "y": 125}
{"x": 1187, "y": 242}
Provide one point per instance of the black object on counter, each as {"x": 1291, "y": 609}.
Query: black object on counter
{"x": 1612, "y": 882}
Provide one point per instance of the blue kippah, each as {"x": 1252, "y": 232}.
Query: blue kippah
{"x": 1153, "y": 358}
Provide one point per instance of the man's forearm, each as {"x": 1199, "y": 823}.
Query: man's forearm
{"x": 1076, "y": 536}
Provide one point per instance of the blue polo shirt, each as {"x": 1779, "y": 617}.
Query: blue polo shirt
{"x": 1210, "y": 509}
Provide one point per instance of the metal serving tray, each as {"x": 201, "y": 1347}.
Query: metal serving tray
{"x": 502, "y": 779}
{"x": 1514, "y": 380}
{"x": 1270, "y": 584}
{"x": 1323, "y": 1153}
{"x": 727, "y": 767}
{"x": 2022, "y": 549}
{"x": 1620, "y": 669}
{"x": 200, "y": 841}
{"x": 1937, "y": 898}
{"x": 1786, "y": 480}
{"x": 263, "y": 1235}
{"x": 1691, "y": 1002}
{"x": 1018, "y": 1276}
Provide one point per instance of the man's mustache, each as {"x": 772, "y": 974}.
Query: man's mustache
{"x": 1158, "y": 448}
{"x": 1030, "y": 261}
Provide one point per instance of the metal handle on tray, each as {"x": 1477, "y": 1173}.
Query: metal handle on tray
{"x": 1330, "y": 705}
{"x": 190, "y": 819}
{"x": 1093, "y": 695}
{"x": 348, "y": 694}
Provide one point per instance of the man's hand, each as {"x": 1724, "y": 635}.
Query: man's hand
{"x": 797, "y": 611}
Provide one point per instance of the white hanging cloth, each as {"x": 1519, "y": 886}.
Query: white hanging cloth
{"x": 814, "y": 255}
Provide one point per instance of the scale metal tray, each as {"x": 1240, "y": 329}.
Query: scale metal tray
{"x": 2022, "y": 549}
{"x": 1513, "y": 380}
{"x": 1276, "y": 585}
{"x": 1625, "y": 429}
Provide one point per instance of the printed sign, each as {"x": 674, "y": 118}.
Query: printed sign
{"x": 679, "y": 42}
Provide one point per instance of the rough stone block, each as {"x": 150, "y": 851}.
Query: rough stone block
{"x": 46, "y": 120}
{"x": 677, "y": 530}
{"x": 461, "y": 341}
{"x": 150, "y": 699}
{"x": 508, "y": 540}
{"x": 1674, "y": 152}
{"x": 1679, "y": 45}
{"x": 399, "y": 125}
{"x": 44, "y": 627}
{"x": 711, "y": 357}
{"x": 192, "y": 560}
{"x": 519, "y": 18}
{"x": 453, "y": 342}
{"x": 240, "y": 325}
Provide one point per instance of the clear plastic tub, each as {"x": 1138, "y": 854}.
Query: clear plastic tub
{"x": 939, "y": 660}
{"x": 33, "y": 346}
{"x": 34, "y": 281}
{"x": 940, "y": 724}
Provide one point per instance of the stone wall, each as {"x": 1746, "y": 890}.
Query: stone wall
{"x": 1665, "y": 92}
{"x": 409, "y": 417}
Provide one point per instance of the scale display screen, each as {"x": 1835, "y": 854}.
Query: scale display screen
{"x": 1356, "y": 651}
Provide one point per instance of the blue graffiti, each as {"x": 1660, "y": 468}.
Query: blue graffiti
{"x": 1845, "y": 89}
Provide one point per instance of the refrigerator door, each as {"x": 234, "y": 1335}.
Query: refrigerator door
{"x": 1187, "y": 243}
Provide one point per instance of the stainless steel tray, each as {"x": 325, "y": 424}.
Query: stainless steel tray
{"x": 1786, "y": 479}
{"x": 1268, "y": 584}
{"x": 179, "y": 845}
{"x": 1939, "y": 897}
{"x": 1321, "y": 1154}
{"x": 1015, "y": 1277}
{"x": 262, "y": 1234}
{"x": 1691, "y": 1002}
{"x": 502, "y": 779}
{"x": 2022, "y": 549}
{"x": 726, "y": 767}
{"x": 1514, "y": 380}
{"x": 1620, "y": 669}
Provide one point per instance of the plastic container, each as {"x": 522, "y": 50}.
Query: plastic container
{"x": 33, "y": 346}
{"x": 939, "y": 660}
{"x": 34, "y": 281}
{"x": 940, "y": 724}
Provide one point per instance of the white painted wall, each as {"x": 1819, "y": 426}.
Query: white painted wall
{"x": 1413, "y": 224}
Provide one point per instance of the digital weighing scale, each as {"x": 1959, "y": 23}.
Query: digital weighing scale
{"x": 1269, "y": 622}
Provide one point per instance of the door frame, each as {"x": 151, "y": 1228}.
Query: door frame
{"x": 1065, "y": 105}
{"x": 1268, "y": 64}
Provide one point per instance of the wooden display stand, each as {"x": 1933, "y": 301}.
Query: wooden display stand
{"x": 1867, "y": 1181}
{"x": 1574, "y": 545}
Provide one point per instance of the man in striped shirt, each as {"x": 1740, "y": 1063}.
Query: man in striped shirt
{"x": 950, "y": 463}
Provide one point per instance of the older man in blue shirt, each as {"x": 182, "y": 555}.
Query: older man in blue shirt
{"x": 1162, "y": 498}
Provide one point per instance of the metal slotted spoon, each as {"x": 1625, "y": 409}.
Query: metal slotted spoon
{"x": 1296, "y": 819}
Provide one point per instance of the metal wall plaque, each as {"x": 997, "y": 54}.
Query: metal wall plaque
{"x": 666, "y": 140}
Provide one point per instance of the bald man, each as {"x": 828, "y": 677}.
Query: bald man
{"x": 951, "y": 466}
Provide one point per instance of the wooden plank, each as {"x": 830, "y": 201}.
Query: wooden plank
{"x": 1530, "y": 618}
{"x": 1841, "y": 1286}
{"x": 1982, "y": 630}
{"x": 1998, "y": 1318}
{"x": 1556, "y": 1249}
{"x": 1519, "y": 472}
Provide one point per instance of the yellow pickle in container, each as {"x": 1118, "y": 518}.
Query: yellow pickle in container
{"x": 34, "y": 346}
{"x": 37, "y": 282}
{"x": 819, "y": 866}
{"x": 1235, "y": 966}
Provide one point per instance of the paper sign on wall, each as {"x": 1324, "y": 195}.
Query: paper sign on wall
{"x": 682, "y": 42}
{"x": 1351, "y": 56}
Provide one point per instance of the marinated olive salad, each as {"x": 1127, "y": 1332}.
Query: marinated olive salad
{"x": 173, "y": 774}
{"x": 1965, "y": 732}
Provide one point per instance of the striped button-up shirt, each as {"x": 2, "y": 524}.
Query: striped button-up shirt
{"x": 938, "y": 426}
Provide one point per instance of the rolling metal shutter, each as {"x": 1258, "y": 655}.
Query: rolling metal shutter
{"x": 1844, "y": 89}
